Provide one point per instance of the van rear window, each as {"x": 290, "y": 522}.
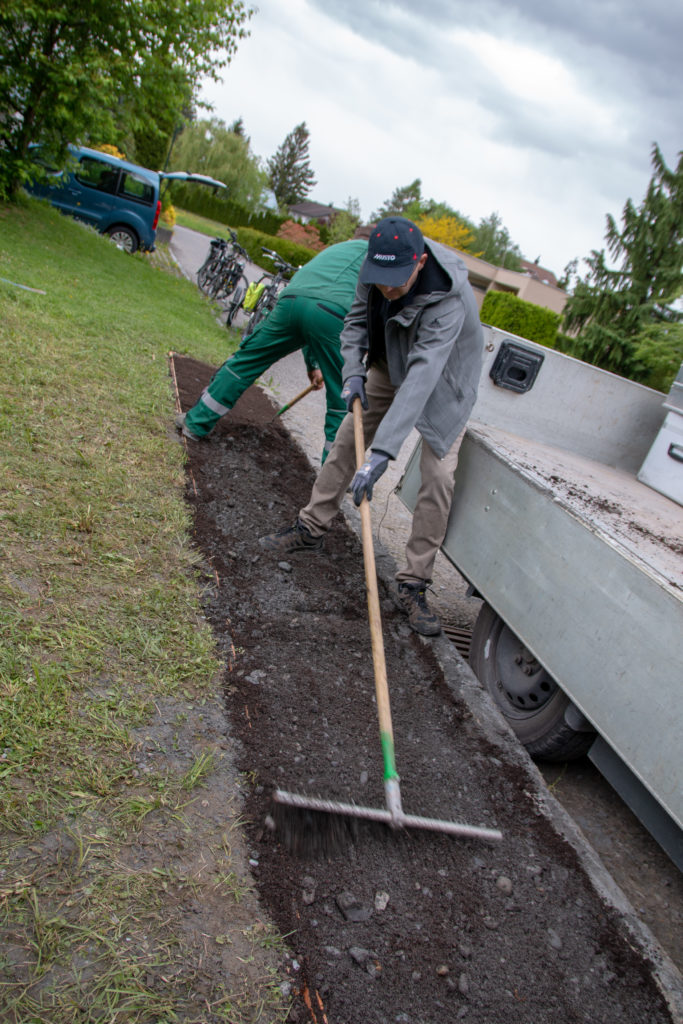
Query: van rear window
{"x": 134, "y": 187}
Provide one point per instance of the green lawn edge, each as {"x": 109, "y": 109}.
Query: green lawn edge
{"x": 101, "y": 627}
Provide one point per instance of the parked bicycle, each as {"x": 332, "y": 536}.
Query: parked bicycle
{"x": 230, "y": 274}
{"x": 267, "y": 289}
{"x": 210, "y": 266}
{"x": 223, "y": 269}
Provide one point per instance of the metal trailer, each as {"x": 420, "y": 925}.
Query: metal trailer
{"x": 580, "y": 566}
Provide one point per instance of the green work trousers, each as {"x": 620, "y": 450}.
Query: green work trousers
{"x": 295, "y": 322}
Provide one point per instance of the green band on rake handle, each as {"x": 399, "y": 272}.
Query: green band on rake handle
{"x": 293, "y": 401}
{"x": 388, "y": 756}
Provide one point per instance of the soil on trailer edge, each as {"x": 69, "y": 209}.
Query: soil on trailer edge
{"x": 411, "y": 927}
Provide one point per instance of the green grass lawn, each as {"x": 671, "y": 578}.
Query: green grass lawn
{"x": 99, "y": 611}
{"x": 212, "y": 228}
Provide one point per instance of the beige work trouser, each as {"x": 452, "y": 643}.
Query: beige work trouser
{"x": 434, "y": 497}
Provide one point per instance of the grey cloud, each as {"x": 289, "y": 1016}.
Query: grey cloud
{"x": 623, "y": 51}
{"x": 648, "y": 35}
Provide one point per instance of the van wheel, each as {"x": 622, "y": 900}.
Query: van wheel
{"x": 123, "y": 237}
{"x": 533, "y": 704}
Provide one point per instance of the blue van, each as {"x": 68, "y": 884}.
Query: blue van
{"x": 118, "y": 198}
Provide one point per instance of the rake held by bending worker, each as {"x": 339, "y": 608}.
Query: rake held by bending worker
{"x": 412, "y": 345}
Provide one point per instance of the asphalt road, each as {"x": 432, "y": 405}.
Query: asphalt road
{"x": 646, "y": 876}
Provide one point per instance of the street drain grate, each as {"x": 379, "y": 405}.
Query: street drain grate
{"x": 462, "y": 638}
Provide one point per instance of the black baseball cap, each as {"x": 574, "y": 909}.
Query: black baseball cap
{"x": 394, "y": 248}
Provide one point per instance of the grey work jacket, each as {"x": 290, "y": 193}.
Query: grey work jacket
{"x": 434, "y": 350}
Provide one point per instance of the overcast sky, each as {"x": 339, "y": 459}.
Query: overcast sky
{"x": 542, "y": 111}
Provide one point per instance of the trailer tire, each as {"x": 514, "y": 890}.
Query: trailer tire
{"x": 528, "y": 697}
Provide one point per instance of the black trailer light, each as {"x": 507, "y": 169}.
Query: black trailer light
{"x": 515, "y": 367}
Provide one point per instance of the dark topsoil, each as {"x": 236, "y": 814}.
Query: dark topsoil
{"x": 413, "y": 927}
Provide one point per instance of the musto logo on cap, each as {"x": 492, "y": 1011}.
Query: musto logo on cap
{"x": 388, "y": 257}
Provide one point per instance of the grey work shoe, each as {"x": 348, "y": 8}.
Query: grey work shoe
{"x": 291, "y": 540}
{"x": 185, "y": 431}
{"x": 411, "y": 599}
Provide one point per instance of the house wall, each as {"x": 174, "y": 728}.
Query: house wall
{"x": 486, "y": 277}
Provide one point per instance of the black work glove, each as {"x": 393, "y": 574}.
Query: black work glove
{"x": 367, "y": 476}
{"x": 354, "y": 387}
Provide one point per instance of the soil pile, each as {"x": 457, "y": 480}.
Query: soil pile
{"x": 415, "y": 927}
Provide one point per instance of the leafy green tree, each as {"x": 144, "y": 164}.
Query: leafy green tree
{"x": 237, "y": 127}
{"x": 408, "y": 201}
{"x": 290, "y": 174}
{"x": 439, "y": 210}
{"x": 103, "y": 72}
{"x": 209, "y": 147}
{"x": 150, "y": 110}
{"x": 345, "y": 223}
{"x": 490, "y": 239}
{"x": 403, "y": 202}
{"x": 492, "y": 243}
{"x": 613, "y": 310}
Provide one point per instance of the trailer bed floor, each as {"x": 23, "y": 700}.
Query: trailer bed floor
{"x": 610, "y": 501}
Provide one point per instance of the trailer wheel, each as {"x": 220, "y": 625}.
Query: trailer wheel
{"x": 529, "y": 698}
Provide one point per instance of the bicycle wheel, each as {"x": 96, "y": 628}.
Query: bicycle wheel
{"x": 206, "y": 273}
{"x": 232, "y": 281}
{"x": 235, "y": 303}
{"x": 215, "y": 285}
{"x": 255, "y": 318}
{"x": 225, "y": 282}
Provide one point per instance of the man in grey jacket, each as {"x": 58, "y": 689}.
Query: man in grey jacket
{"x": 412, "y": 347}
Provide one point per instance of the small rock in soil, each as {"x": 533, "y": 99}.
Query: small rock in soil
{"x": 353, "y": 909}
{"x": 381, "y": 900}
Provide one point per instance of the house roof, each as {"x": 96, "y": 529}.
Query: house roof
{"x": 538, "y": 273}
{"x": 313, "y": 210}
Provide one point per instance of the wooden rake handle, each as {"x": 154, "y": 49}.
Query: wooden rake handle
{"x": 297, "y": 398}
{"x": 381, "y": 687}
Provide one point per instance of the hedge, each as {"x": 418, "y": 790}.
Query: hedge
{"x": 252, "y": 241}
{"x": 525, "y": 319}
{"x": 205, "y": 203}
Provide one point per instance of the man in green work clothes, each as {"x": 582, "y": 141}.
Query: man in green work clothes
{"x": 309, "y": 314}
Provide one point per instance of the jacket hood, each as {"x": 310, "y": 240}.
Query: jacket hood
{"x": 447, "y": 262}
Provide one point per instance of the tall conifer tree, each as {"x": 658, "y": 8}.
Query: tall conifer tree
{"x": 614, "y": 305}
{"x": 291, "y": 176}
